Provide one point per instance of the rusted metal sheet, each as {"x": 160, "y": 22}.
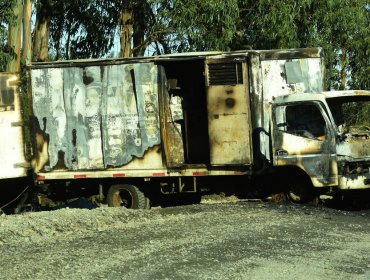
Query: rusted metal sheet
{"x": 94, "y": 117}
{"x": 12, "y": 159}
{"x": 229, "y": 120}
{"x": 282, "y": 77}
{"x": 354, "y": 169}
{"x": 136, "y": 170}
{"x": 354, "y": 182}
{"x": 287, "y": 54}
{"x": 354, "y": 164}
{"x": 261, "y": 124}
{"x": 171, "y": 112}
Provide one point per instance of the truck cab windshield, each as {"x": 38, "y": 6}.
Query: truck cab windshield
{"x": 351, "y": 114}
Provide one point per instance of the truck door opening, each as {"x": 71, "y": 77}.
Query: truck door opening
{"x": 188, "y": 106}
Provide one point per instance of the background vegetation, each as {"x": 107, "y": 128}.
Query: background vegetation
{"x": 73, "y": 29}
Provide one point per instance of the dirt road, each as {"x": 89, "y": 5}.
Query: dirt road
{"x": 224, "y": 240}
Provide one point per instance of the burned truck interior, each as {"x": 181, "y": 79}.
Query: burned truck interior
{"x": 186, "y": 85}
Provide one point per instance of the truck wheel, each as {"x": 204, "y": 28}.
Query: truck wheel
{"x": 20, "y": 204}
{"x": 300, "y": 193}
{"x": 147, "y": 203}
{"x": 128, "y": 196}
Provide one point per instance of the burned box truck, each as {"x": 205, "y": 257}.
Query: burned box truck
{"x": 128, "y": 128}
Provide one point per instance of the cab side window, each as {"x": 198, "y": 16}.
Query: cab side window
{"x": 303, "y": 120}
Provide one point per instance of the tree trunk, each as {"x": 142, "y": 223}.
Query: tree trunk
{"x": 27, "y": 35}
{"x": 68, "y": 41}
{"x": 126, "y": 26}
{"x": 343, "y": 71}
{"x": 14, "y": 39}
{"x": 41, "y": 36}
{"x": 139, "y": 25}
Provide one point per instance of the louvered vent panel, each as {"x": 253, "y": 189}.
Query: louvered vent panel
{"x": 225, "y": 73}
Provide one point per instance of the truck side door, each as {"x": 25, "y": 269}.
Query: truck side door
{"x": 229, "y": 119}
{"x": 302, "y": 137}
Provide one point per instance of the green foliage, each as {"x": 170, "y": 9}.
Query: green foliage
{"x": 357, "y": 114}
{"x": 340, "y": 27}
{"x": 86, "y": 28}
{"x": 196, "y": 25}
{"x": 82, "y": 29}
{"x": 274, "y": 23}
{"x": 6, "y": 17}
{"x": 343, "y": 31}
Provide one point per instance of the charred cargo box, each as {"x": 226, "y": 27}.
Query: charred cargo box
{"x": 177, "y": 115}
{"x": 140, "y": 116}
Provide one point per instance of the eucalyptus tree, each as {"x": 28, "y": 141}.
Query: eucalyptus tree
{"x": 40, "y": 40}
{"x": 13, "y": 37}
{"x": 82, "y": 29}
{"x": 7, "y": 19}
{"x": 89, "y": 28}
{"x": 341, "y": 27}
{"x": 165, "y": 26}
{"x": 195, "y": 25}
{"x": 27, "y": 32}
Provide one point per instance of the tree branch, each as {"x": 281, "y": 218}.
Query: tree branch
{"x": 153, "y": 37}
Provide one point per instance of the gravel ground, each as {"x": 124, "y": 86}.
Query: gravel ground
{"x": 223, "y": 239}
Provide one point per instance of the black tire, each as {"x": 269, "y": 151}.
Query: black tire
{"x": 147, "y": 203}
{"x": 300, "y": 192}
{"x": 127, "y": 196}
{"x": 18, "y": 209}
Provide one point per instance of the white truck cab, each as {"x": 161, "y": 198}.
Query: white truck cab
{"x": 321, "y": 135}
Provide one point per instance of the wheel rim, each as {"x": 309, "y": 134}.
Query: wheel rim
{"x": 122, "y": 198}
{"x": 300, "y": 193}
{"x": 294, "y": 197}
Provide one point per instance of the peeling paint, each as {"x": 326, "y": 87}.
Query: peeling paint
{"x": 94, "y": 117}
{"x": 283, "y": 77}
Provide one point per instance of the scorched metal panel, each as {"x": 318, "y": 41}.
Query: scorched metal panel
{"x": 94, "y": 117}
